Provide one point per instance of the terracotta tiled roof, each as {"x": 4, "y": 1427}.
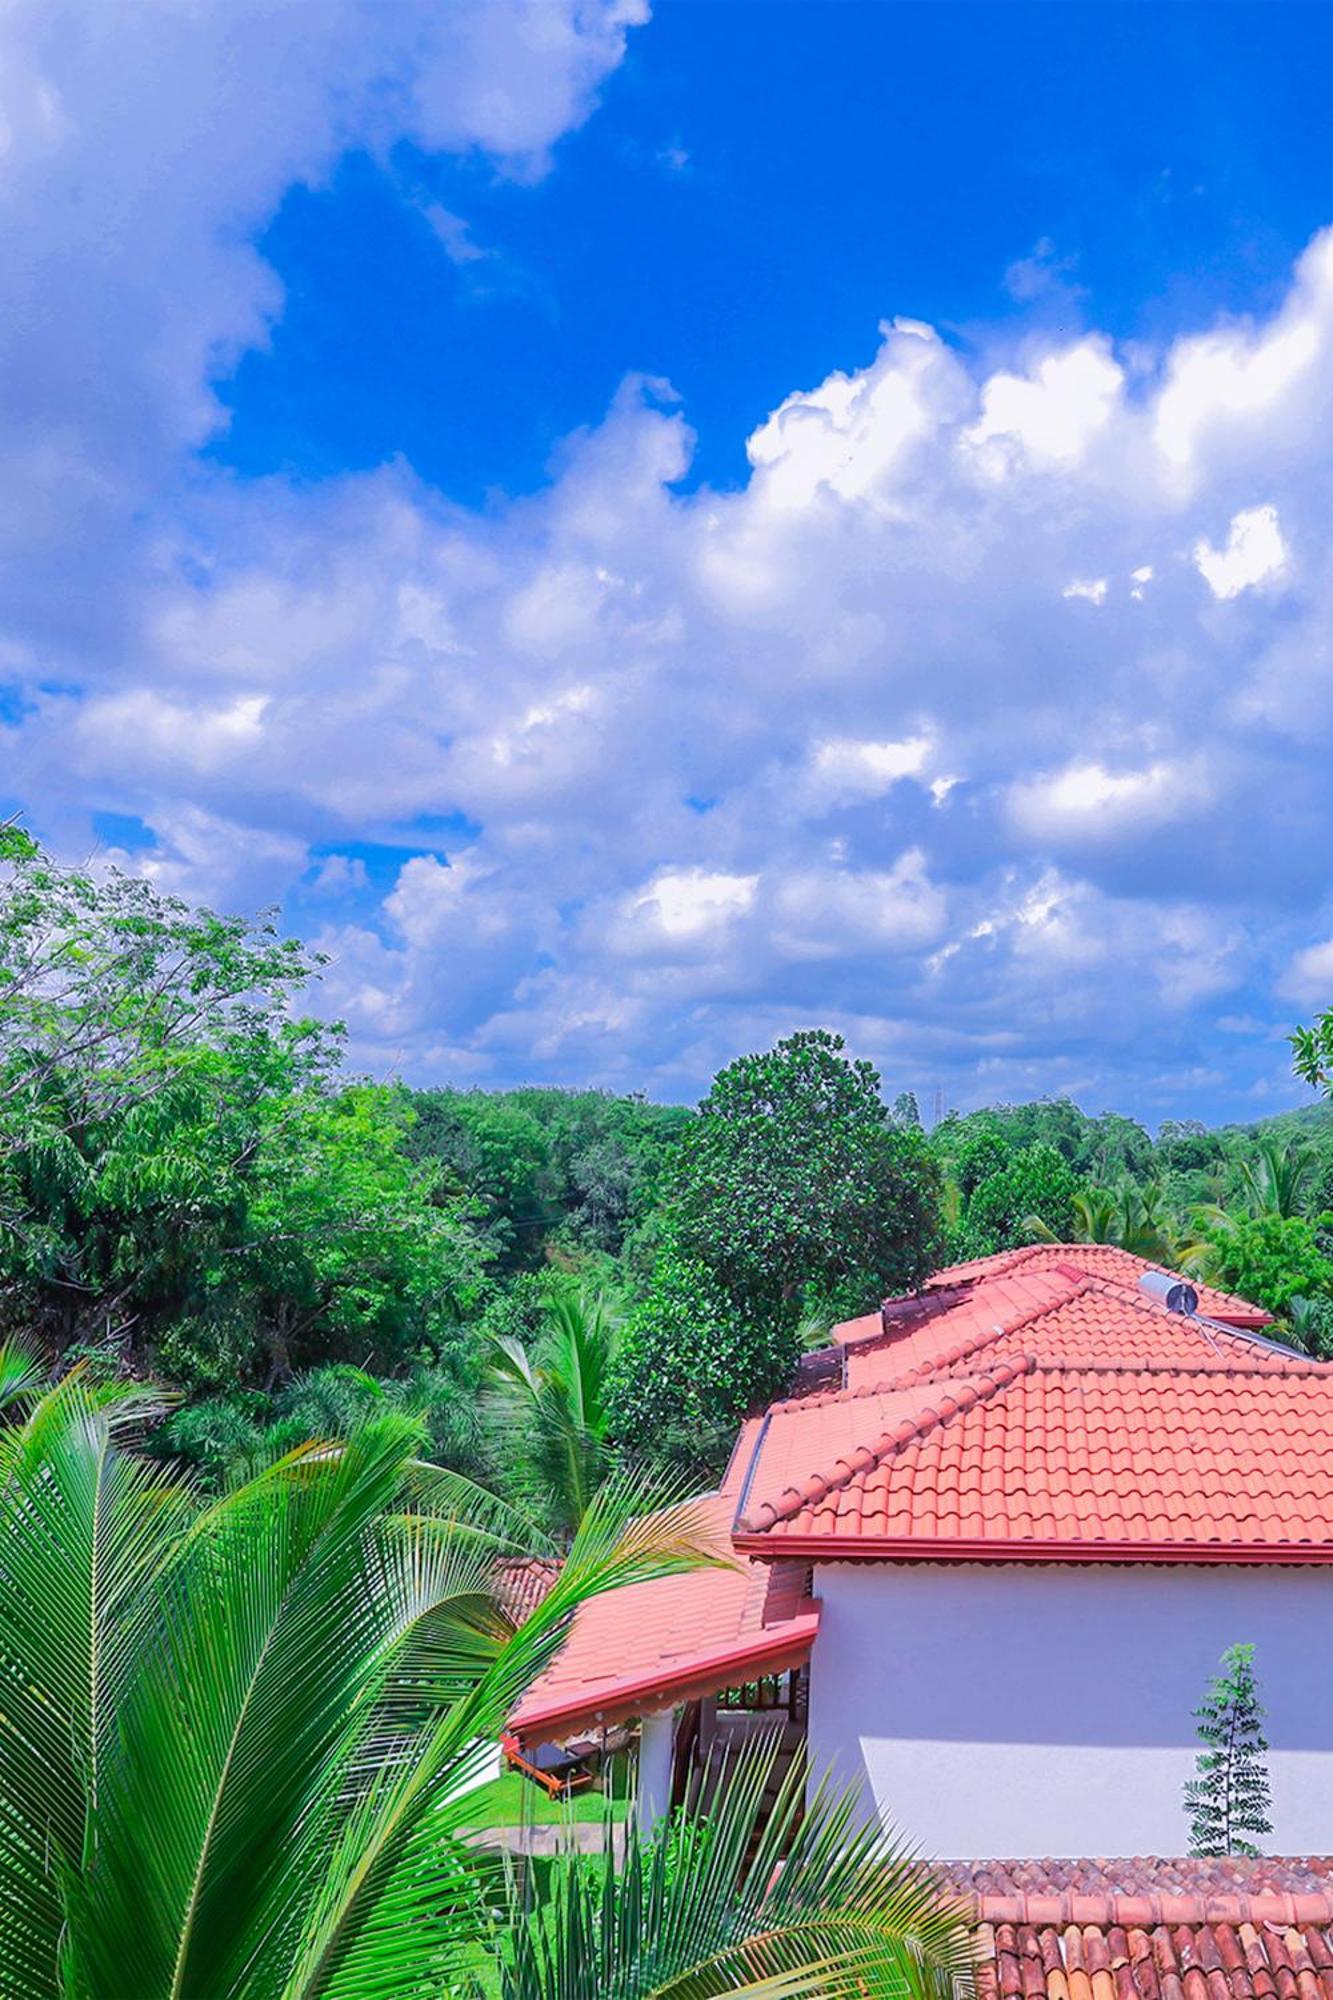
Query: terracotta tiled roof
{"x": 1038, "y": 1406}
{"x": 1058, "y": 1313}
{"x": 1151, "y": 1929}
{"x": 1099, "y": 1260}
{"x": 651, "y": 1645}
{"x": 523, "y": 1583}
{"x": 1019, "y": 1456}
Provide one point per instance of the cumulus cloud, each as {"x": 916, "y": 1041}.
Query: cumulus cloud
{"x": 1086, "y": 801}
{"x": 974, "y": 723}
{"x": 1309, "y": 977}
{"x": 1051, "y": 415}
{"x": 842, "y": 769}
{"x": 1254, "y": 553}
{"x": 682, "y": 907}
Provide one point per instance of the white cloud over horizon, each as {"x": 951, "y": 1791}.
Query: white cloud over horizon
{"x": 987, "y": 720}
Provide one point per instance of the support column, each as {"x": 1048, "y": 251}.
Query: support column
{"x": 653, "y": 1802}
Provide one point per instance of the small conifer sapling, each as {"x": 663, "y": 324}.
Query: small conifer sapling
{"x": 1228, "y": 1800}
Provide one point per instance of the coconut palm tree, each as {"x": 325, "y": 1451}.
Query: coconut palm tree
{"x": 1131, "y": 1214}
{"x": 1275, "y": 1181}
{"x": 235, "y": 1742}
{"x": 235, "y": 1738}
{"x": 552, "y": 1406}
{"x": 1275, "y": 1178}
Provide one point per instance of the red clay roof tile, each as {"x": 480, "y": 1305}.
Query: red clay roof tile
{"x": 1149, "y": 1929}
{"x": 1112, "y": 1456}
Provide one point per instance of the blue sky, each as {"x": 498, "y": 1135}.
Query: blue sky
{"x": 642, "y": 533}
{"x": 764, "y": 181}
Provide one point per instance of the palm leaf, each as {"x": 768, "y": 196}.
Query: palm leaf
{"x": 84, "y": 1529}
{"x": 390, "y": 1914}
{"x": 792, "y": 1903}
{"x": 268, "y": 1637}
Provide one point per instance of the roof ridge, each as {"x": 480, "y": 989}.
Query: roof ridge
{"x": 1299, "y": 1364}
{"x": 963, "y": 1350}
{"x": 1144, "y": 1909}
{"x": 956, "y": 1398}
{"x": 970, "y": 1271}
{"x": 925, "y": 1371}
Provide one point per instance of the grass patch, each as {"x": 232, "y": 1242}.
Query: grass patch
{"x": 513, "y": 1800}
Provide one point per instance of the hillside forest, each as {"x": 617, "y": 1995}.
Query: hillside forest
{"x": 197, "y": 1193}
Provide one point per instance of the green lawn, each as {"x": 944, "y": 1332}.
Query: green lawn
{"x": 513, "y": 1800}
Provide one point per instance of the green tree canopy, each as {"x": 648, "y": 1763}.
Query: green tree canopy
{"x": 690, "y": 1364}
{"x": 1270, "y": 1259}
{"x": 794, "y": 1180}
{"x": 1036, "y": 1187}
{"x": 183, "y": 1185}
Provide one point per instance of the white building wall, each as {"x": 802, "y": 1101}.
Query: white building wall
{"x": 1027, "y": 1711}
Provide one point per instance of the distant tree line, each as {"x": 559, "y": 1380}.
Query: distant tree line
{"x": 195, "y": 1192}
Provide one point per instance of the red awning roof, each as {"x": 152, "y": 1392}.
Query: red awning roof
{"x": 651, "y": 1645}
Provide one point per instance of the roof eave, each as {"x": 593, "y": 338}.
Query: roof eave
{"x": 769, "y": 1547}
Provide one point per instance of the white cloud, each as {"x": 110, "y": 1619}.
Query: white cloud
{"x": 1086, "y": 801}
{"x": 674, "y": 768}
{"x": 1308, "y": 978}
{"x": 684, "y": 906}
{"x": 1254, "y": 553}
{"x": 842, "y": 769}
{"x": 455, "y": 234}
{"x": 1222, "y": 385}
{"x": 851, "y": 436}
{"x": 831, "y": 912}
{"x": 142, "y": 148}
{"x": 1050, "y": 416}
{"x": 339, "y": 875}
{"x": 204, "y": 857}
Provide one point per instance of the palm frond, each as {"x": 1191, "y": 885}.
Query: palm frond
{"x": 802, "y": 1902}
{"x": 85, "y": 1529}
{"x": 389, "y": 1910}
{"x": 270, "y": 1637}
{"x": 21, "y": 1374}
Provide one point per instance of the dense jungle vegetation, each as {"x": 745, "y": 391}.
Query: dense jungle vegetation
{"x": 195, "y": 1192}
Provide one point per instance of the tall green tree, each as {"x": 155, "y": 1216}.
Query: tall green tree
{"x": 794, "y": 1190}
{"x": 109, "y": 989}
{"x": 1228, "y": 1800}
{"x": 690, "y": 1363}
{"x": 1033, "y": 1194}
{"x": 183, "y": 1183}
{"x": 794, "y": 1179}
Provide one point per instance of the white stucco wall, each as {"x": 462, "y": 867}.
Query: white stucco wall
{"x": 1010, "y": 1711}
